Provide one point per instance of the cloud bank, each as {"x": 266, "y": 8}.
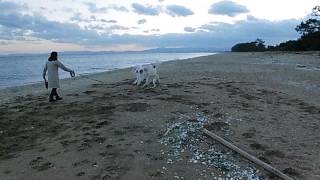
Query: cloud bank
{"x": 208, "y": 35}
{"x": 146, "y": 10}
{"x": 228, "y": 8}
{"x": 176, "y": 10}
{"x": 16, "y": 26}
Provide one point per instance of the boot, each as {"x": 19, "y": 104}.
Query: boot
{"x": 51, "y": 98}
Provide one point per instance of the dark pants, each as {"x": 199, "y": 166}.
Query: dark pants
{"x": 53, "y": 93}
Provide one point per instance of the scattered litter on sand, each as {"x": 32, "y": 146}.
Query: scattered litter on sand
{"x": 185, "y": 136}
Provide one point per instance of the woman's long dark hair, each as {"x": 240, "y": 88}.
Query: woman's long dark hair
{"x": 53, "y": 56}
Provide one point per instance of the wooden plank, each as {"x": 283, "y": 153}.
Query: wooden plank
{"x": 247, "y": 155}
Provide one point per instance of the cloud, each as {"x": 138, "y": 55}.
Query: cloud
{"x": 142, "y": 21}
{"x": 218, "y": 35}
{"x": 118, "y": 27}
{"x": 176, "y": 10}
{"x": 146, "y": 10}
{"x": 228, "y": 8}
{"x": 10, "y": 34}
{"x": 15, "y": 26}
{"x": 40, "y": 27}
{"x": 92, "y": 7}
{"x": 8, "y": 7}
{"x": 109, "y": 21}
{"x": 189, "y": 29}
{"x": 118, "y": 8}
{"x": 151, "y": 30}
{"x": 79, "y": 18}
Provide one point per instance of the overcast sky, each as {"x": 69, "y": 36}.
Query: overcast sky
{"x": 34, "y": 26}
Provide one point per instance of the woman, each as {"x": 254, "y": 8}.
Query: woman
{"x": 52, "y": 66}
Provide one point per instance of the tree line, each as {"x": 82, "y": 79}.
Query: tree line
{"x": 309, "y": 40}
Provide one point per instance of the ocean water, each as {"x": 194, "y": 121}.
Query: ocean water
{"x": 17, "y": 70}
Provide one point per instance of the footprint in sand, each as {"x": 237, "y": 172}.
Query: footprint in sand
{"x": 119, "y": 132}
{"x": 81, "y": 174}
{"x": 102, "y": 124}
{"x": 216, "y": 126}
{"x": 81, "y": 163}
{"x": 6, "y": 171}
{"x": 84, "y": 146}
{"x": 76, "y": 94}
{"x": 136, "y": 107}
{"x": 89, "y": 92}
{"x": 274, "y": 153}
{"x": 249, "y": 134}
{"x": 41, "y": 164}
{"x": 292, "y": 172}
{"x": 66, "y": 143}
{"x": 257, "y": 146}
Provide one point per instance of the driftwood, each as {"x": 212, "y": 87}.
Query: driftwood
{"x": 247, "y": 155}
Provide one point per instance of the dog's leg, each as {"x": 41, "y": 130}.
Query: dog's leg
{"x": 138, "y": 82}
{"x": 135, "y": 82}
{"x": 147, "y": 82}
{"x": 154, "y": 81}
{"x": 158, "y": 79}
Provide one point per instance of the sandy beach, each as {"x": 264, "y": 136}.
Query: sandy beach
{"x": 268, "y": 104}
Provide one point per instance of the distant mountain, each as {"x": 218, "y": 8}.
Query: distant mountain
{"x": 183, "y": 50}
{"x": 156, "y": 50}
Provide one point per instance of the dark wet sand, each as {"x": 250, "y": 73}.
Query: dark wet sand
{"x": 266, "y": 103}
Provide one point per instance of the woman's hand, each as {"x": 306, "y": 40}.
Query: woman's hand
{"x": 72, "y": 74}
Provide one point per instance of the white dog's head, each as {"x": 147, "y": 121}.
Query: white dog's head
{"x": 139, "y": 73}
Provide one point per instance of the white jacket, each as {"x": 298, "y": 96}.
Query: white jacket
{"x": 53, "y": 76}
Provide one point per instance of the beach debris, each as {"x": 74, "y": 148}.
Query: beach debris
{"x": 185, "y": 136}
{"x": 247, "y": 155}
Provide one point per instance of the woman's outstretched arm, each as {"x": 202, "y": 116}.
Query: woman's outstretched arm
{"x": 60, "y": 65}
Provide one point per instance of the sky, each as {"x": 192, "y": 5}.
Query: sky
{"x": 34, "y": 26}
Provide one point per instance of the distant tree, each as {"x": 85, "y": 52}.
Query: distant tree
{"x": 311, "y": 25}
{"x": 310, "y": 42}
{"x": 316, "y": 11}
{"x": 255, "y": 46}
{"x": 292, "y": 45}
{"x": 260, "y": 44}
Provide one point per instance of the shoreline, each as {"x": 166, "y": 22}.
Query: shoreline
{"x": 37, "y": 88}
{"x": 115, "y": 63}
{"x": 262, "y": 102}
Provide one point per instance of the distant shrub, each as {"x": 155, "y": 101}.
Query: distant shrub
{"x": 255, "y": 46}
{"x": 309, "y": 40}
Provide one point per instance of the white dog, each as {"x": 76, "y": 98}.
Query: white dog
{"x": 146, "y": 72}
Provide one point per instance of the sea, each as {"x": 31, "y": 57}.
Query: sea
{"x": 18, "y": 70}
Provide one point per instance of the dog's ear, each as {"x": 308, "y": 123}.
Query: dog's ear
{"x": 156, "y": 65}
{"x": 133, "y": 69}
